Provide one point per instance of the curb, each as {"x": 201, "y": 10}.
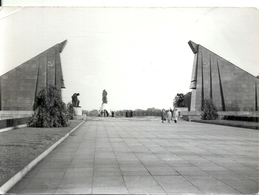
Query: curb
{"x": 227, "y": 124}
{"x": 12, "y": 128}
{"x": 18, "y": 176}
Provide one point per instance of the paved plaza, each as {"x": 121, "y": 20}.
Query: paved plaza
{"x": 145, "y": 156}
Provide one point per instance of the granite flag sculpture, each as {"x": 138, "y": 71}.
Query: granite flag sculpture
{"x": 213, "y": 77}
{"x": 19, "y": 86}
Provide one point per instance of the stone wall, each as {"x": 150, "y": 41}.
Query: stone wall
{"x": 9, "y": 114}
{"x": 19, "y": 86}
{"x": 213, "y": 77}
{"x": 13, "y": 122}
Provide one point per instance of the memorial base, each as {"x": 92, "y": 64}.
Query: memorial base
{"x": 105, "y": 107}
{"x": 79, "y": 112}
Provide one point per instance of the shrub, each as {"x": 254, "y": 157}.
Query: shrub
{"x": 209, "y": 111}
{"x": 71, "y": 111}
{"x": 49, "y": 110}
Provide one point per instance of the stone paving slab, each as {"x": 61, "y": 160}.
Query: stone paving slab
{"x": 133, "y": 156}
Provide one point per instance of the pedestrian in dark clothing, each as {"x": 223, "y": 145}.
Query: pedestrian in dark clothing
{"x": 172, "y": 113}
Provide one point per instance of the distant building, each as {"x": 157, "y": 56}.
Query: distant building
{"x": 230, "y": 87}
{"x": 19, "y": 86}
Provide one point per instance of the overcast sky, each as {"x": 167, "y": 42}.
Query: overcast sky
{"x": 139, "y": 55}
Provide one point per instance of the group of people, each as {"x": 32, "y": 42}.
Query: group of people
{"x": 169, "y": 115}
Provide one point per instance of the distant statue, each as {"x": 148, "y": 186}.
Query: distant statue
{"x": 75, "y": 100}
{"x": 105, "y": 96}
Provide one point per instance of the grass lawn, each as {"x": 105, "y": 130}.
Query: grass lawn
{"x": 18, "y": 147}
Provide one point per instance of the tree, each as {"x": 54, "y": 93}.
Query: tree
{"x": 49, "y": 110}
{"x": 94, "y": 112}
{"x": 179, "y": 100}
{"x": 209, "y": 111}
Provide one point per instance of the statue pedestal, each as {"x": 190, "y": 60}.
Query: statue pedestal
{"x": 105, "y": 107}
{"x": 79, "y": 111}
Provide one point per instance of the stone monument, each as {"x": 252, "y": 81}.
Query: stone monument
{"x": 230, "y": 87}
{"x": 233, "y": 91}
{"x": 75, "y": 100}
{"x": 105, "y": 110}
{"x": 75, "y": 103}
{"x": 20, "y": 86}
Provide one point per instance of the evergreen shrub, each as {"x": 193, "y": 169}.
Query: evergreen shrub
{"x": 209, "y": 111}
{"x": 71, "y": 111}
{"x": 49, "y": 110}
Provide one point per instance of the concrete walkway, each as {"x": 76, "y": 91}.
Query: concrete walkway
{"x": 130, "y": 156}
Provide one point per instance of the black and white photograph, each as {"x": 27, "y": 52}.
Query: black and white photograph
{"x": 129, "y": 98}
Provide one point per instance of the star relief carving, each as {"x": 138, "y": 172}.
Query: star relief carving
{"x": 205, "y": 64}
{"x": 50, "y": 63}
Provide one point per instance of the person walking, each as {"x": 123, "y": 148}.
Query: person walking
{"x": 172, "y": 114}
{"x": 169, "y": 116}
{"x": 176, "y": 114}
{"x": 163, "y": 115}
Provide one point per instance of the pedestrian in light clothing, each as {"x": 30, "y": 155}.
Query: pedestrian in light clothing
{"x": 176, "y": 114}
{"x": 169, "y": 116}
